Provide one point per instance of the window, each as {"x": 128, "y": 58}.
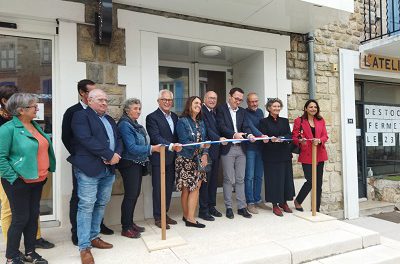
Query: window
{"x": 393, "y": 16}
{"x": 45, "y": 51}
{"x": 7, "y": 55}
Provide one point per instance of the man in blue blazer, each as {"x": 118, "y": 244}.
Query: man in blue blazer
{"x": 67, "y": 137}
{"x": 232, "y": 124}
{"x": 160, "y": 126}
{"x": 208, "y": 190}
{"x": 97, "y": 147}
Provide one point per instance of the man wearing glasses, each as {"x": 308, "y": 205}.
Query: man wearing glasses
{"x": 67, "y": 137}
{"x": 160, "y": 126}
{"x": 97, "y": 148}
{"x": 232, "y": 124}
{"x": 208, "y": 190}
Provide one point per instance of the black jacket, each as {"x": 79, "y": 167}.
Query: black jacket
{"x": 67, "y": 135}
{"x": 225, "y": 125}
{"x": 160, "y": 133}
{"x": 212, "y": 131}
{"x": 278, "y": 151}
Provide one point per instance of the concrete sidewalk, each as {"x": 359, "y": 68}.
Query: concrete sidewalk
{"x": 265, "y": 238}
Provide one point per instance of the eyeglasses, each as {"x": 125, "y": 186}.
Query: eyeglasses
{"x": 255, "y": 101}
{"x": 166, "y": 100}
{"x": 237, "y": 99}
{"x": 102, "y": 100}
{"x": 32, "y": 106}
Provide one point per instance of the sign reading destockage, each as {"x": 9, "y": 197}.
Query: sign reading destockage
{"x": 382, "y": 119}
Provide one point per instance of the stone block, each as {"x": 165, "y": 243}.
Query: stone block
{"x": 113, "y": 89}
{"x": 321, "y": 245}
{"x": 322, "y": 88}
{"x": 110, "y": 74}
{"x": 300, "y": 64}
{"x": 115, "y": 112}
{"x": 102, "y": 53}
{"x": 333, "y": 85}
{"x": 86, "y": 50}
{"x": 117, "y": 47}
{"x": 321, "y": 57}
{"x": 335, "y": 182}
{"x": 94, "y": 72}
{"x": 299, "y": 86}
{"x": 115, "y": 100}
{"x": 86, "y": 32}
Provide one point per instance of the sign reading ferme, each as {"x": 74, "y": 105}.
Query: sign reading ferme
{"x": 381, "y": 119}
{"x": 380, "y": 63}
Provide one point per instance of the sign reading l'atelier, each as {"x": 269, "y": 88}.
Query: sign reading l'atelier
{"x": 379, "y": 63}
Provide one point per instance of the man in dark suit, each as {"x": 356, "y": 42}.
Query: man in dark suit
{"x": 67, "y": 136}
{"x": 97, "y": 147}
{"x": 160, "y": 126}
{"x": 208, "y": 190}
{"x": 232, "y": 124}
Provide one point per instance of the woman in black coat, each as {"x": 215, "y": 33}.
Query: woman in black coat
{"x": 277, "y": 157}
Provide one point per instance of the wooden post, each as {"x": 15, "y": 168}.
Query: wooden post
{"x": 314, "y": 181}
{"x": 163, "y": 203}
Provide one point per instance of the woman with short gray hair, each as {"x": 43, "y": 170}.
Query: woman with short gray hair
{"x": 277, "y": 157}
{"x": 26, "y": 157}
{"x": 134, "y": 163}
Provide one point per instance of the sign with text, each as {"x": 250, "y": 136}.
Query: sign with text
{"x": 371, "y": 139}
{"x": 379, "y": 63}
{"x": 389, "y": 139}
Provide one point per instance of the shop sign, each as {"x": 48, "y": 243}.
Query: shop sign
{"x": 379, "y": 63}
{"x": 381, "y": 119}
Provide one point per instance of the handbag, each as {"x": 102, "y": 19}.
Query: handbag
{"x": 295, "y": 149}
{"x": 206, "y": 168}
{"x": 146, "y": 168}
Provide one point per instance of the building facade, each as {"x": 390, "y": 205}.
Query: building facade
{"x": 47, "y": 47}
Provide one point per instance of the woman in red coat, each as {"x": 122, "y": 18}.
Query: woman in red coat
{"x": 310, "y": 126}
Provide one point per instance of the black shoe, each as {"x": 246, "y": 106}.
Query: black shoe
{"x": 184, "y": 219}
{"x": 206, "y": 217}
{"x": 137, "y": 228}
{"x": 42, "y": 243}
{"x": 74, "y": 240}
{"x": 16, "y": 260}
{"x": 229, "y": 213}
{"x": 214, "y": 212}
{"x": 197, "y": 224}
{"x": 35, "y": 258}
{"x": 105, "y": 230}
{"x": 243, "y": 212}
{"x": 300, "y": 209}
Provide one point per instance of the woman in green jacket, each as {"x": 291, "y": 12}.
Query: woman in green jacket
{"x": 26, "y": 157}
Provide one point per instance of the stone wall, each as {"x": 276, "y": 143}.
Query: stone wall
{"x": 328, "y": 40}
{"x": 102, "y": 61}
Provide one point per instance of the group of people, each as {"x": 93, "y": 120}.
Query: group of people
{"x": 98, "y": 146}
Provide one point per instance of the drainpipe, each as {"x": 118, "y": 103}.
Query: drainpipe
{"x": 311, "y": 70}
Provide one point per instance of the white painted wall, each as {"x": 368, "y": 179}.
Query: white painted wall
{"x": 248, "y": 74}
{"x": 349, "y": 61}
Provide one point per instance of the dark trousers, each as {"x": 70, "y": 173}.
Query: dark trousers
{"x": 169, "y": 187}
{"x": 24, "y": 201}
{"x": 132, "y": 178}
{"x": 208, "y": 190}
{"x": 307, "y": 168}
{"x": 73, "y": 206}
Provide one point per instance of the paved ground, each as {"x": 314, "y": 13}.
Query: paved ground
{"x": 283, "y": 235}
{"x": 386, "y": 228}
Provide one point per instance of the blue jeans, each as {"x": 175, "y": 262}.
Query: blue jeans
{"x": 254, "y": 176}
{"x": 94, "y": 193}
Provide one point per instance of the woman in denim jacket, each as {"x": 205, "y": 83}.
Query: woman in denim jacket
{"x": 190, "y": 129}
{"x": 137, "y": 149}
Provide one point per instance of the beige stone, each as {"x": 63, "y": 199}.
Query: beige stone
{"x": 110, "y": 74}
{"x": 299, "y": 86}
{"x": 85, "y": 50}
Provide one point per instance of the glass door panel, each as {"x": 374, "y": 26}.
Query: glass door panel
{"x": 177, "y": 81}
{"x": 27, "y": 63}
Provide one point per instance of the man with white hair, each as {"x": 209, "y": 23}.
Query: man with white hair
{"x": 97, "y": 148}
{"x": 161, "y": 126}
